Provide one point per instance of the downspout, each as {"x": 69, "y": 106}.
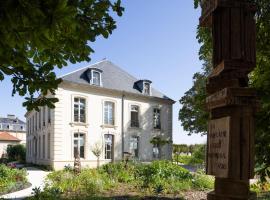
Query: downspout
{"x": 122, "y": 126}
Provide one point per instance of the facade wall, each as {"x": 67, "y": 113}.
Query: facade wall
{"x": 62, "y": 128}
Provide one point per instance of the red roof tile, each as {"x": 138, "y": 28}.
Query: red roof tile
{"x": 4, "y": 136}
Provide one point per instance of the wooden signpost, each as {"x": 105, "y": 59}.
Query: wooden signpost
{"x": 232, "y": 105}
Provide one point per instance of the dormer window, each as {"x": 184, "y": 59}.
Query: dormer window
{"x": 146, "y": 88}
{"x": 96, "y": 78}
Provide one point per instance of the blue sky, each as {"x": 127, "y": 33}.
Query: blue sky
{"x": 154, "y": 39}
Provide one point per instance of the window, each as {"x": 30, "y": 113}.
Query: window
{"x": 78, "y": 144}
{"x": 109, "y": 113}
{"x": 96, "y": 78}
{"x": 39, "y": 119}
{"x": 146, "y": 88}
{"x": 43, "y": 146}
{"x": 108, "y": 146}
{"x": 48, "y": 145}
{"x": 36, "y": 121}
{"x": 49, "y": 115}
{"x": 44, "y": 115}
{"x": 134, "y": 146}
{"x": 134, "y": 116}
{"x": 79, "y": 110}
{"x": 157, "y": 118}
{"x": 39, "y": 147}
{"x": 156, "y": 151}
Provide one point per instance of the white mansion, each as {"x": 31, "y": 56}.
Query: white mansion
{"x": 100, "y": 106}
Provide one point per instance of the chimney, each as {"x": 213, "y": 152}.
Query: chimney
{"x": 11, "y": 116}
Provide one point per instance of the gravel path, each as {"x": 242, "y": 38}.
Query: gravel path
{"x": 36, "y": 177}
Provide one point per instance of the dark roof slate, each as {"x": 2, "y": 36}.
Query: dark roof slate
{"x": 7, "y": 120}
{"x": 113, "y": 77}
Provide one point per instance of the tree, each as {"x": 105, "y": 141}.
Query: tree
{"x": 40, "y": 35}
{"x": 16, "y": 152}
{"x": 97, "y": 151}
{"x": 192, "y": 113}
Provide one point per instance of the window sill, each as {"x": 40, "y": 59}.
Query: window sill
{"x": 134, "y": 128}
{"x": 78, "y": 124}
{"x": 157, "y": 129}
{"x": 108, "y": 126}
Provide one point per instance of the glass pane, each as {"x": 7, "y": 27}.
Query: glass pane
{"x": 76, "y": 112}
{"x": 75, "y": 150}
{"x": 96, "y": 78}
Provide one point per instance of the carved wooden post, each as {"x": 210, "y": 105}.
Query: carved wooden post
{"x": 230, "y": 143}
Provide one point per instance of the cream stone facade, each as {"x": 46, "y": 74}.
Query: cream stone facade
{"x": 89, "y": 116}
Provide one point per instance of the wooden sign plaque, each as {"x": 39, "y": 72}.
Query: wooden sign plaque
{"x": 218, "y": 147}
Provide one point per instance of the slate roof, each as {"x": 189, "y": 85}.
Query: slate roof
{"x": 7, "y": 120}
{"x": 113, "y": 77}
{"x": 4, "y": 136}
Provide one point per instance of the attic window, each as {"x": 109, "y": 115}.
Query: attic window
{"x": 146, "y": 88}
{"x": 96, "y": 77}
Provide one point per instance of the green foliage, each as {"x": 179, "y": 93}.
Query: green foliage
{"x": 197, "y": 154}
{"x": 198, "y": 157}
{"x": 37, "y": 36}
{"x": 202, "y": 181}
{"x": 119, "y": 172}
{"x": 16, "y": 152}
{"x": 260, "y": 187}
{"x": 159, "y": 177}
{"x": 87, "y": 183}
{"x": 161, "y": 172}
{"x": 160, "y": 141}
{"x": 10, "y": 179}
{"x": 193, "y": 115}
{"x": 183, "y": 159}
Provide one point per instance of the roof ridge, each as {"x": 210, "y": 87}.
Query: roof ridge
{"x": 82, "y": 68}
{"x": 119, "y": 68}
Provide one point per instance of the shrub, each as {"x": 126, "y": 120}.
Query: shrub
{"x": 88, "y": 182}
{"x": 16, "y": 152}
{"x": 10, "y": 178}
{"x": 119, "y": 171}
{"x": 161, "y": 172}
{"x": 202, "y": 181}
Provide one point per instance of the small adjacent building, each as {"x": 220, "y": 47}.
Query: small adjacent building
{"x": 100, "y": 107}
{"x": 13, "y": 126}
{"x": 12, "y": 131}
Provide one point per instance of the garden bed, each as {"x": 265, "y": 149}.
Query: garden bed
{"x": 160, "y": 179}
{"x": 12, "y": 180}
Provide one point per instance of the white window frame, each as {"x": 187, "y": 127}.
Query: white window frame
{"x": 157, "y": 128}
{"x": 148, "y": 83}
{"x": 92, "y": 77}
{"x": 138, "y": 145}
{"x": 72, "y": 109}
{"x": 114, "y": 112}
{"x": 112, "y": 147}
{"x": 139, "y": 115}
{"x": 85, "y": 143}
